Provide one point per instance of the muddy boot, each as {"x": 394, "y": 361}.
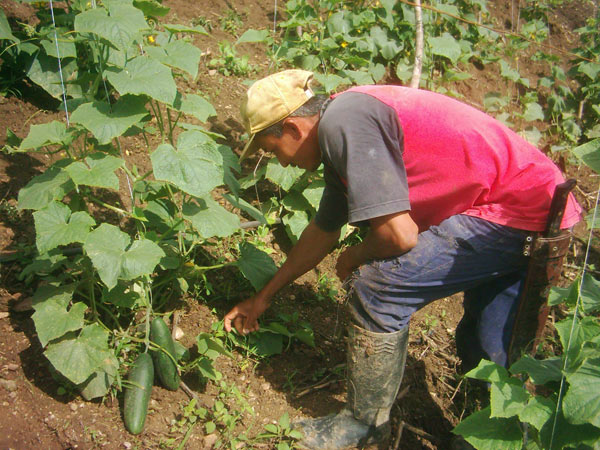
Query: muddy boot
{"x": 375, "y": 368}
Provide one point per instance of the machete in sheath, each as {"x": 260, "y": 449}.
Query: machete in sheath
{"x": 546, "y": 254}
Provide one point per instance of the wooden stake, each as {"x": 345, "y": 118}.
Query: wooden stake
{"x": 416, "y": 75}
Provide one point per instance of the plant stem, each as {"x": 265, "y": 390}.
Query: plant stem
{"x": 111, "y": 207}
{"x": 159, "y": 120}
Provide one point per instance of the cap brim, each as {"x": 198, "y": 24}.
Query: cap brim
{"x": 250, "y": 148}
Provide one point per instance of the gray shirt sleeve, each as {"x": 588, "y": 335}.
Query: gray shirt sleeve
{"x": 361, "y": 144}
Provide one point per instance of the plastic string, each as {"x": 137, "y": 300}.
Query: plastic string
{"x": 62, "y": 82}
{"x": 573, "y": 323}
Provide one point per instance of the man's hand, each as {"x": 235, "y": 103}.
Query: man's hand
{"x": 245, "y": 315}
{"x": 311, "y": 248}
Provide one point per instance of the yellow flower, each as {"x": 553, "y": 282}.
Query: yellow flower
{"x": 151, "y": 39}
{"x": 344, "y": 44}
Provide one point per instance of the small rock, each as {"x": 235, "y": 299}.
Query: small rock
{"x": 265, "y": 386}
{"x": 73, "y": 407}
{"x": 212, "y": 72}
{"x": 178, "y": 333}
{"x": 210, "y": 440}
{"x": 3, "y": 314}
{"x": 12, "y": 367}
{"x": 127, "y": 445}
{"x": 9, "y": 385}
{"x": 154, "y": 404}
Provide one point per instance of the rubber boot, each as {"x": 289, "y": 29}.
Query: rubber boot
{"x": 374, "y": 372}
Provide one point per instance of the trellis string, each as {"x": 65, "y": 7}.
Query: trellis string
{"x": 62, "y": 83}
{"x": 575, "y": 313}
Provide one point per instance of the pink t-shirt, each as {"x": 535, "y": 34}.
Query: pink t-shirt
{"x": 460, "y": 160}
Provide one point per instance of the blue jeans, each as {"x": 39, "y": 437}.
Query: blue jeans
{"x": 463, "y": 253}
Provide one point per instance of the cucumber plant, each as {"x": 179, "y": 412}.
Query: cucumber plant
{"x": 102, "y": 260}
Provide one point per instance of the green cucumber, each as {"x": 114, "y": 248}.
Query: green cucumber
{"x": 163, "y": 363}
{"x": 137, "y": 393}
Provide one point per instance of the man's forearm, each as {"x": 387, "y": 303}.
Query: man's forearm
{"x": 314, "y": 244}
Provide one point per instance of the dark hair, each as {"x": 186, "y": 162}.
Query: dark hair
{"x": 310, "y": 108}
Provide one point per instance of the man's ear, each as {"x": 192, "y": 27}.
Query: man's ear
{"x": 291, "y": 125}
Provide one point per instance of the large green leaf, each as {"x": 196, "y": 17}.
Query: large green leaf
{"x": 256, "y": 265}
{"x": 508, "y": 398}
{"x": 540, "y": 372}
{"x": 5, "y": 31}
{"x": 284, "y": 177}
{"x": 590, "y": 294}
{"x": 102, "y": 379}
{"x": 589, "y": 154}
{"x": 313, "y": 192}
{"x": 489, "y": 371}
{"x": 55, "y": 225}
{"x": 52, "y": 319}
{"x": 107, "y": 122}
{"x": 178, "y": 54}
{"x": 194, "y": 105}
{"x": 98, "y": 170}
{"x": 538, "y": 411}
{"x": 44, "y": 72}
{"x": 52, "y": 185}
{"x": 144, "y": 76}
{"x": 558, "y": 433}
{"x": 488, "y": 433}
{"x": 445, "y": 46}
{"x": 242, "y": 204}
{"x": 533, "y": 111}
{"x": 195, "y": 167}
{"x": 113, "y": 257}
{"x": 66, "y": 45}
{"x": 151, "y": 8}
{"x": 179, "y": 28}
{"x": 54, "y": 132}
{"x": 581, "y": 405}
{"x": 210, "y": 219}
{"x": 253, "y": 36}
{"x": 573, "y": 337}
{"x": 79, "y": 358}
{"x": 120, "y": 28}
{"x": 295, "y": 223}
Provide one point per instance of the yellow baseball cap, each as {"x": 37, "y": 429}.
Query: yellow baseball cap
{"x": 272, "y": 99}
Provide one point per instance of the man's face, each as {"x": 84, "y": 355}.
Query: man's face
{"x": 297, "y": 146}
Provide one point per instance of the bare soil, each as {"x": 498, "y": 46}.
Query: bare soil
{"x": 35, "y": 413}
